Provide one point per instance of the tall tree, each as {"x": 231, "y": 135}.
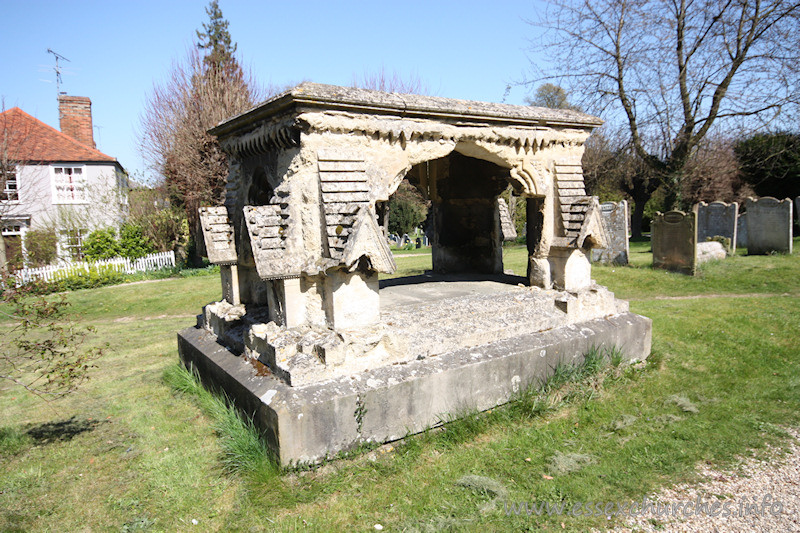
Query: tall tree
{"x": 216, "y": 40}
{"x": 671, "y": 70}
{"x": 199, "y": 93}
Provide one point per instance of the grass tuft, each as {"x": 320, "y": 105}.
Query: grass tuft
{"x": 623, "y": 422}
{"x": 243, "y": 450}
{"x": 683, "y": 403}
{"x": 13, "y": 441}
{"x": 483, "y": 485}
{"x": 561, "y": 464}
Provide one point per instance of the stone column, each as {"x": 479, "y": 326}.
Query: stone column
{"x": 537, "y": 243}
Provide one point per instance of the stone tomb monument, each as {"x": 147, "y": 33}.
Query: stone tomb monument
{"x": 769, "y": 225}
{"x": 674, "y": 241}
{"x": 322, "y": 353}
{"x": 615, "y": 225}
{"x": 717, "y": 219}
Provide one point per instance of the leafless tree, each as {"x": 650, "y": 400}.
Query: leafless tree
{"x": 713, "y": 173}
{"x": 673, "y": 70}
{"x": 391, "y": 82}
{"x": 174, "y": 130}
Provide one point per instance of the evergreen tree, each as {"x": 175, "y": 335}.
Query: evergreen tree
{"x": 201, "y": 93}
{"x": 216, "y": 40}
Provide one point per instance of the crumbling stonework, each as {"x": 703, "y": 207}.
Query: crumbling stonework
{"x": 310, "y": 174}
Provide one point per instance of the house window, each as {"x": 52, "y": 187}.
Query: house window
{"x": 10, "y": 190}
{"x": 69, "y": 185}
{"x": 72, "y": 242}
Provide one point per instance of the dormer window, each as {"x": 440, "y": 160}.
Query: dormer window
{"x": 69, "y": 185}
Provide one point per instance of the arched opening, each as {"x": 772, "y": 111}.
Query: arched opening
{"x": 464, "y": 220}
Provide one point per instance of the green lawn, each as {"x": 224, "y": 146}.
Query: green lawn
{"x": 128, "y": 453}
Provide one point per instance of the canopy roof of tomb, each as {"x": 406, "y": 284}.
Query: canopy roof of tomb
{"x": 282, "y": 109}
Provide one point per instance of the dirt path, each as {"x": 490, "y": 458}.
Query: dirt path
{"x": 711, "y": 296}
{"x": 755, "y": 496}
{"x": 125, "y": 319}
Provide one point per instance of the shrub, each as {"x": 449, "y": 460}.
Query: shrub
{"x": 41, "y": 247}
{"x": 407, "y": 209}
{"x": 133, "y": 244}
{"x": 101, "y": 244}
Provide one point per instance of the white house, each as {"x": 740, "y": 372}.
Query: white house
{"x": 57, "y": 180}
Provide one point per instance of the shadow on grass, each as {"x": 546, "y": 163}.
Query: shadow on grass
{"x": 61, "y": 431}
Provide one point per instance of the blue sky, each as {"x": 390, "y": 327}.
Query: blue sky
{"x": 118, "y": 49}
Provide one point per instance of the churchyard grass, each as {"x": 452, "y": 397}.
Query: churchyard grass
{"x": 132, "y": 450}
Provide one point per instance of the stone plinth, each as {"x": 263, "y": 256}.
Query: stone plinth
{"x": 308, "y": 424}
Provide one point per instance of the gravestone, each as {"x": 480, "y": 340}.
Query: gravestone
{"x": 769, "y": 225}
{"x": 741, "y": 231}
{"x": 717, "y": 219}
{"x": 615, "y": 223}
{"x": 674, "y": 241}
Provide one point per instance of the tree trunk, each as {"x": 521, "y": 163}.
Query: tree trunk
{"x": 3, "y": 257}
{"x": 639, "y": 201}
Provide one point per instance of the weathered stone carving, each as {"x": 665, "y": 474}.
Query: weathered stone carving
{"x": 769, "y": 225}
{"x": 507, "y": 229}
{"x": 311, "y": 172}
{"x": 218, "y": 235}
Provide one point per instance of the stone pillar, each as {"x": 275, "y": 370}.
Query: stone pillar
{"x": 570, "y": 268}
{"x": 352, "y": 299}
{"x": 294, "y": 303}
{"x": 538, "y": 249}
{"x": 245, "y": 286}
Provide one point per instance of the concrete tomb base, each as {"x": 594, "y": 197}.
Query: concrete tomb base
{"x": 447, "y": 345}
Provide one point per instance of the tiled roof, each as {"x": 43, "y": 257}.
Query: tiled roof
{"x": 28, "y": 139}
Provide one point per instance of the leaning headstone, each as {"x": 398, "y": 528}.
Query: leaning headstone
{"x": 674, "y": 241}
{"x": 615, "y": 224}
{"x": 509, "y": 232}
{"x": 717, "y": 219}
{"x": 769, "y": 225}
{"x": 741, "y": 231}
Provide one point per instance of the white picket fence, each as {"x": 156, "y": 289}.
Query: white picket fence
{"x": 120, "y": 264}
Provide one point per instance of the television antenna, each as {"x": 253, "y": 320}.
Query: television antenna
{"x": 57, "y": 68}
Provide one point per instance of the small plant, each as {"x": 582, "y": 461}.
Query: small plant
{"x": 45, "y": 351}
{"x": 725, "y": 241}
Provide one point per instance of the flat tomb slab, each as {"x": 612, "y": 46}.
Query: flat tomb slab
{"x": 308, "y": 424}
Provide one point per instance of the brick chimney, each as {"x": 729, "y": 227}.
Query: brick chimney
{"x": 75, "y": 117}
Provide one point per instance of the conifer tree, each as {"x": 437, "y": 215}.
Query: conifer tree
{"x": 206, "y": 89}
